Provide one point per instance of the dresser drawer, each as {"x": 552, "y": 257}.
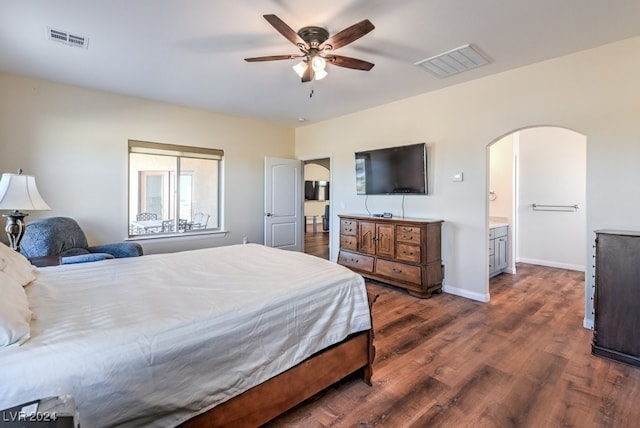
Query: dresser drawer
{"x": 356, "y": 261}
{"x": 408, "y": 252}
{"x": 408, "y": 234}
{"x": 348, "y": 242}
{"x": 399, "y": 271}
{"x": 497, "y": 232}
{"x": 348, "y": 227}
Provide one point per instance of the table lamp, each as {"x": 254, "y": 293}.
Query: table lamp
{"x": 19, "y": 192}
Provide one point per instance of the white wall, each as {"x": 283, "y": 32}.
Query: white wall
{"x": 552, "y": 171}
{"x": 75, "y": 142}
{"x": 594, "y": 92}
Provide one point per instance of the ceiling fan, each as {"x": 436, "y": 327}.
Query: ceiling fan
{"x": 317, "y": 46}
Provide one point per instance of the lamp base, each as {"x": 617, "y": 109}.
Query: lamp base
{"x": 15, "y": 228}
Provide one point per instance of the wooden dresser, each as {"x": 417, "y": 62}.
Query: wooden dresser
{"x": 401, "y": 252}
{"x": 616, "y": 302}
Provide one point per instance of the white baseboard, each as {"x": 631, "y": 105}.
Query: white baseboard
{"x": 548, "y": 263}
{"x": 480, "y": 297}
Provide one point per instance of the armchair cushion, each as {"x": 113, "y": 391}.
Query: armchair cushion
{"x": 62, "y": 236}
{"x": 83, "y": 258}
{"x": 118, "y": 250}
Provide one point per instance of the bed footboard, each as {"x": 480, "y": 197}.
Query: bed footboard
{"x": 251, "y": 409}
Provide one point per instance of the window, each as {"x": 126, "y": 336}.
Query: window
{"x": 173, "y": 189}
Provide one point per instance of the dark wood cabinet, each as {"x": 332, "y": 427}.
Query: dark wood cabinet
{"x": 617, "y": 296}
{"x": 402, "y": 252}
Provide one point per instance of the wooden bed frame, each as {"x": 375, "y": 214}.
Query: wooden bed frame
{"x": 264, "y": 402}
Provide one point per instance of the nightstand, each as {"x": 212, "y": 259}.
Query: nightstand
{"x": 45, "y": 261}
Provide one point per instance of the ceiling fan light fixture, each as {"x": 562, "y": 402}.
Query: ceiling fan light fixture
{"x": 313, "y": 42}
{"x": 300, "y": 68}
{"x": 320, "y": 74}
{"x": 318, "y": 63}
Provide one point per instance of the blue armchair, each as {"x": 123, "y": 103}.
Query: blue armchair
{"x": 62, "y": 236}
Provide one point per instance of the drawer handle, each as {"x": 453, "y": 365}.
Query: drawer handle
{"x": 395, "y": 270}
{"x": 354, "y": 260}
{"x": 407, "y": 229}
{"x": 409, "y": 238}
{"x": 407, "y": 253}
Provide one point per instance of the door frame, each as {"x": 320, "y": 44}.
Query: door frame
{"x": 332, "y": 192}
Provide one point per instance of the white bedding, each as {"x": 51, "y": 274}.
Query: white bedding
{"x": 155, "y": 340}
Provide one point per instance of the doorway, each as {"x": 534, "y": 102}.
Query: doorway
{"x": 317, "y": 208}
{"x": 537, "y": 188}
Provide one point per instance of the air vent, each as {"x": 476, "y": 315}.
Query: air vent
{"x": 454, "y": 61}
{"x": 67, "y": 38}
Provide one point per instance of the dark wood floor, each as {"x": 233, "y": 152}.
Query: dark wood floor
{"x": 521, "y": 360}
{"x": 316, "y": 244}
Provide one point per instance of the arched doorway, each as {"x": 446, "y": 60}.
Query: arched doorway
{"x": 537, "y": 188}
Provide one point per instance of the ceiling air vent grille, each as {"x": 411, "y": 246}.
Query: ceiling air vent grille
{"x": 454, "y": 61}
{"x": 67, "y": 38}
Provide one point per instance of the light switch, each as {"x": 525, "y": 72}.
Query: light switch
{"x": 458, "y": 176}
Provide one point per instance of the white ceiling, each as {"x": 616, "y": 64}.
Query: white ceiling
{"x": 191, "y": 52}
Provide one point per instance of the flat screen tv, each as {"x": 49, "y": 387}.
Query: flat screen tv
{"x": 316, "y": 190}
{"x": 392, "y": 170}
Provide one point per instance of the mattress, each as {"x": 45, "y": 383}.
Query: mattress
{"x": 158, "y": 339}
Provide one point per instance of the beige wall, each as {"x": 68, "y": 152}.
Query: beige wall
{"x": 551, "y": 170}
{"x": 595, "y": 92}
{"x": 501, "y": 179}
{"x": 75, "y": 142}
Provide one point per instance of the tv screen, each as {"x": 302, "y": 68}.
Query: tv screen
{"x": 316, "y": 190}
{"x": 393, "y": 170}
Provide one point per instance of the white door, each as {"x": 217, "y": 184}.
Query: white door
{"x": 283, "y": 204}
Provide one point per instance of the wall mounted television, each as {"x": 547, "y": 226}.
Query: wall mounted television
{"x": 392, "y": 170}
{"x": 316, "y": 190}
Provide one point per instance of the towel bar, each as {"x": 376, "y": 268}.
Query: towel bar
{"x": 567, "y": 208}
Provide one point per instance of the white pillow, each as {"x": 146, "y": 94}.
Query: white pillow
{"x": 15, "y": 315}
{"x": 16, "y": 265}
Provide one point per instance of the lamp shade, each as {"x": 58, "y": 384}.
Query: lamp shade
{"x": 299, "y": 68}
{"x": 19, "y": 192}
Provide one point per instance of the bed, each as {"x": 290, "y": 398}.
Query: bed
{"x": 223, "y": 336}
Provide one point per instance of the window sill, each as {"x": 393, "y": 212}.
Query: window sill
{"x": 150, "y": 236}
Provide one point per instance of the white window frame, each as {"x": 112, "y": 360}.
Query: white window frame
{"x": 178, "y": 152}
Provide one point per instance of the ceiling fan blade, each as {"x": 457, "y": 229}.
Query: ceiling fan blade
{"x": 347, "y": 62}
{"x": 284, "y": 29}
{"x": 271, "y": 58}
{"x": 308, "y": 75}
{"x": 349, "y": 34}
